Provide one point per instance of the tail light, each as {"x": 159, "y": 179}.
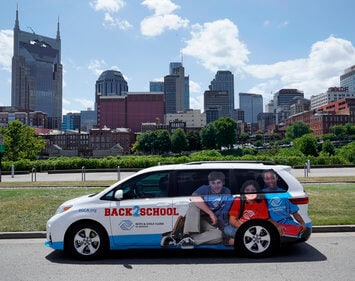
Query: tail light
{"x": 300, "y": 201}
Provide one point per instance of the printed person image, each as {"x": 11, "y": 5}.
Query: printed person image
{"x": 250, "y": 205}
{"x": 281, "y": 210}
{"x": 208, "y": 213}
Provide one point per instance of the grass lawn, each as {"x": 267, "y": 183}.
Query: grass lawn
{"x": 331, "y": 204}
{"x": 28, "y": 208}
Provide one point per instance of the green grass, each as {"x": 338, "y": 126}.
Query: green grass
{"x": 28, "y": 209}
{"x": 332, "y": 203}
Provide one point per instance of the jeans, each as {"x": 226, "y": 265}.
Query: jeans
{"x": 230, "y": 231}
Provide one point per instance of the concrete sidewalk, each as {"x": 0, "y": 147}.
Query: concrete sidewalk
{"x": 114, "y": 176}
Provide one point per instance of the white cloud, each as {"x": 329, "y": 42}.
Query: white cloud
{"x": 283, "y": 24}
{"x": 316, "y": 73}
{"x": 196, "y": 102}
{"x": 161, "y": 79}
{"x": 97, "y": 66}
{"x": 66, "y": 102}
{"x": 160, "y": 7}
{"x": 216, "y": 45}
{"x": 112, "y": 6}
{"x": 195, "y": 87}
{"x": 110, "y": 21}
{"x": 162, "y": 19}
{"x": 65, "y": 111}
{"x": 6, "y": 49}
{"x": 86, "y": 103}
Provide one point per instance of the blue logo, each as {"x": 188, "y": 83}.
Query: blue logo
{"x": 126, "y": 225}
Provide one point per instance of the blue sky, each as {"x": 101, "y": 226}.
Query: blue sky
{"x": 267, "y": 44}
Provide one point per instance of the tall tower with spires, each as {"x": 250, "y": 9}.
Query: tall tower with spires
{"x": 37, "y": 74}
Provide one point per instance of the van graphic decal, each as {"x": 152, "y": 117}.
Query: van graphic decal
{"x": 137, "y": 211}
{"x": 126, "y": 225}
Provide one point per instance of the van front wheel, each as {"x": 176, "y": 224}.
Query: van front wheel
{"x": 86, "y": 241}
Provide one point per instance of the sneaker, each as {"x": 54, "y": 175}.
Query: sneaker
{"x": 187, "y": 243}
{"x": 167, "y": 241}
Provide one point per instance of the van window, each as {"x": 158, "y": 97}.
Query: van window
{"x": 147, "y": 186}
{"x": 239, "y": 176}
{"x": 187, "y": 181}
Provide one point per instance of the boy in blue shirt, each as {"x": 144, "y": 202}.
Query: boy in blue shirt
{"x": 208, "y": 213}
{"x": 281, "y": 210}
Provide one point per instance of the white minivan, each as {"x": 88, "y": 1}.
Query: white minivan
{"x": 188, "y": 206}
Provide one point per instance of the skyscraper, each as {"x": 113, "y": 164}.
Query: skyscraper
{"x": 37, "y": 74}
{"x": 156, "y": 86}
{"x": 216, "y": 105}
{"x": 71, "y": 121}
{"x": 224, "y": 81}
{"x": 348, "y": 79}
{"x": 252, "y": 105}
{"x": 111, "y": 83}
{"x": 176, "y": 89}
{"x": 282, "y": 102}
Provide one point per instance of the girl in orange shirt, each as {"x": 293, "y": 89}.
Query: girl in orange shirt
{"x": 250, "y": 205}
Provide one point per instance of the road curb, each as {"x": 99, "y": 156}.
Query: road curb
{"x": 333, "y": 228}
{"x": 22, "y": 235}
{"x": 42, "y": 234}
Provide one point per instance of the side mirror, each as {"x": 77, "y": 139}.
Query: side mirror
{"x": 119, "y": 194}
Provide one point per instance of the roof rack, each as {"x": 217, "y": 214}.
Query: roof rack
{"x": 233, "y": 161}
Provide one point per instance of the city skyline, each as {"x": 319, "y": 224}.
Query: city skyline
{"x": 266, "y": 45}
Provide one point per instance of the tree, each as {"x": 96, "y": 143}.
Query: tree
{"x": 328, "y": 147}
{"x": 145, "y": 142}
{"x": 21, "y": 141}
{"x": 350, "y": 129}
{"x": 208, "y": 136}
{"x": 226, "y": 134}
{"x": 179, "y": 141}
{"x": 194, "y": 140}
{"x": 163, "y": 142}
{"x": 153, "y": 142}
{"x": 243, "y": 137}
{"x": 347, "y": 152}
{"x": 297, "y": 130}
{"x": 307, "y": 144}
{"x": 340, "y": 131}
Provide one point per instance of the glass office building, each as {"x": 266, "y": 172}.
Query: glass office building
{"x": 224, "y": 81}
{"x": 252, "y": 105}
{"x": 347, "y": 80}
{"x": 176, "y": 89}
{"x": 37, "y": 74}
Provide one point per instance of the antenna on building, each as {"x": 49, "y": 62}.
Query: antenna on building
{"x": 182, "y": 57}
{"x": 31, "y": 29}
{"x": 58, "y": 32}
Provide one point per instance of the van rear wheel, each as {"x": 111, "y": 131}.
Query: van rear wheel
{"x": 257, "y": 239}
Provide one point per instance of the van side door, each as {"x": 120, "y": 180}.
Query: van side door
{"x": 144, "y": 213}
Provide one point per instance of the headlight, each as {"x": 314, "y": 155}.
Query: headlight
{"x": 63, "y": 208}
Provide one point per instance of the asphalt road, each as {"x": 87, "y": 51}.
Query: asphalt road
{"x": 114, "y": 176}
{"x": 326, "y": 256}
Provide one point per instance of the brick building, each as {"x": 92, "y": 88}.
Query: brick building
{"x": 130, "y": 111}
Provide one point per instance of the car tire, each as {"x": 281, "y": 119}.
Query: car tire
{"x": 257, "y": 239}
{"x": 86, "y": 240}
